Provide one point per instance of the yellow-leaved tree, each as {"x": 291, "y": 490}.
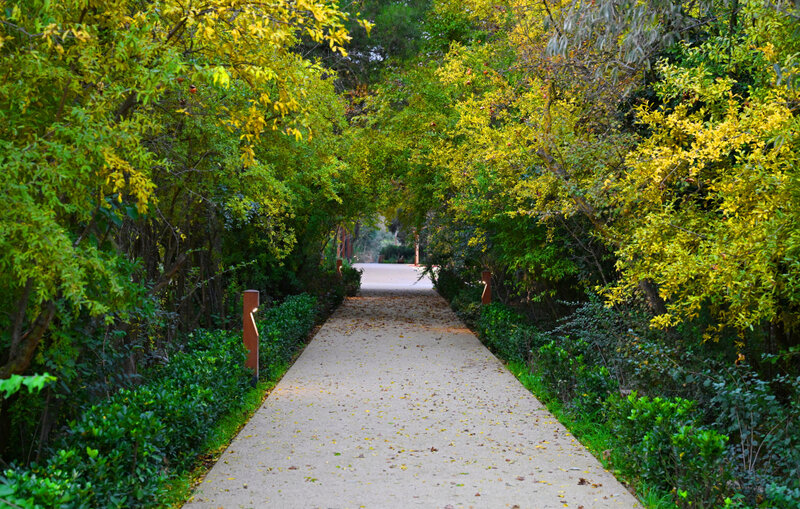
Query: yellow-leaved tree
{"x": 89, "y": 91}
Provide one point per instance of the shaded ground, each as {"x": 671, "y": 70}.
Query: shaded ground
{"x": 396, "y": 404}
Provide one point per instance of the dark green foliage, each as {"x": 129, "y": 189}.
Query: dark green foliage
{"x": 536, "y": 262}
{"x": 700, "y": 477}
{"x": 282, "y": 330}
{"x": 736, "y": 438}
{"x": 504, "y": 331}
{"x": 575, "y": 381}
{"x": 327, "y": 286}
{"x": 121, "y": 450}
{"x": 351, "y": 279}
{"x": 464, "y": 297}
{"x": 196, "y": 387}
{"x": 397, "y": 254}
{"x": 577, "y": 358}
{"x": 447, "y": 283}
{"x": 764, "y": 430}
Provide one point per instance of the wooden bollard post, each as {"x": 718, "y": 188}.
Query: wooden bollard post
{"x": 250, "y": 331}
{"x": 416, "y": 250}
{"x": 339, "y": 267}
{"x": 486, "y": 297}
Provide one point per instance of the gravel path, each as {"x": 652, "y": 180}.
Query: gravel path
{"x": 396, "y": 404}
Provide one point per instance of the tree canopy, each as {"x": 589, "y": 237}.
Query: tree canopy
{"x": 158, "y": 157}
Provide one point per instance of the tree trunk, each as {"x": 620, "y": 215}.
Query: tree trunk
{"x": 651, "y": 295}
{"x": 23, "y": 347}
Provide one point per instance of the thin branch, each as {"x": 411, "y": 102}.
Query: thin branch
{"x": 698, "y": 235}
{"x": 22, "y": 30}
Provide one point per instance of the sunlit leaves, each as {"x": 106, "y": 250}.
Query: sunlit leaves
{"x": 710, "y": 203}
{"x": 34, "y": 383}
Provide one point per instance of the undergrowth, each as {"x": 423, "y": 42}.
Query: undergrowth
{"x": 143, "y": 445}
{"x": 681, "y": 426}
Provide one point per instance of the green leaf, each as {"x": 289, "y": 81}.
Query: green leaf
{"x": 11, "y": 385}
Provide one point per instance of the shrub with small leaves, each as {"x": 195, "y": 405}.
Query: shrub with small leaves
{"x": 505, "y": 332}
{"x": 351, "y": 278}
{"x": 644, "y": 427}
{"x": 764, "y": 429}
{"x": 120, "y": 451}
{"x": 282, "y": 330}
{"x": 662, "y": 442}
{"x": 567, "y": 366}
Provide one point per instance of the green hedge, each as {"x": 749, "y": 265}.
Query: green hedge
{"x": 505, "y": 332}
{"x": 282, "y": 330}
{"x": 733, "y": 442}
{"x": 120, "y": 452}
{"x": 394, "y": 254}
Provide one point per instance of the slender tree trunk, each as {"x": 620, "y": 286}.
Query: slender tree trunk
{"x": 23, "y": 347}
{"x": 653, "y": 298}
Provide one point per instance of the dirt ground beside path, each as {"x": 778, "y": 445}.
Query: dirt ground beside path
{"x": 396, "y": 404}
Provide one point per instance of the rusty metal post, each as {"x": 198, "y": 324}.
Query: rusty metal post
{"x": 416, "y": 249}
{"x": 339, "y": 267}
{"x": 486, "y": 297}
{"x": 250, "y": 331}
{"x": 349, "y": 245}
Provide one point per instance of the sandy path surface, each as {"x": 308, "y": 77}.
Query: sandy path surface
{"x": 396, "y": 404}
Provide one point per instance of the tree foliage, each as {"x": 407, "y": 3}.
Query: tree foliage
{"x": 158, "y": 158}
{"x": 652, "y": 145}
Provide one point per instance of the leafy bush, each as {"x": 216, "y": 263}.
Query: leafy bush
{"x": 464, "y": 297}
{"x": 395, "y": 254}
{"x": 700, "y": 476}
{"x": 447, "y": 283}
{"x": 200, "y": 384}
{"x": 783, "y": 496}
{"x": 504, "y": 331}
{"x": 327, "y": 286}
{"x": 351, "y": 277}
{"x": 41, "y": 487}
{"x": 661, "y": 442}
{"x": 282, "y": 329}
{"x": 645, "y": 427}
{"x": 579, "y": 384}
{"x": 764, "y": 431}
{"x": 116, "y": 449}
{"x": 120, "y": 451}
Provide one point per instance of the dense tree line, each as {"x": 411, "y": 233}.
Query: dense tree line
{"x": 639, "y": 156}
{"x": 160, "y": 156}
{"x": 157, "y": 158}
{"x": 643, "y": 150}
